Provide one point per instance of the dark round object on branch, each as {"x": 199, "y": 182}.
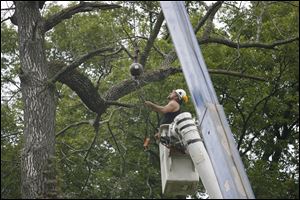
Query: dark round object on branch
{"x": 136, "y": 69}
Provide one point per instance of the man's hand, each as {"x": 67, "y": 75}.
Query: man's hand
{"x": 148, "y": 104}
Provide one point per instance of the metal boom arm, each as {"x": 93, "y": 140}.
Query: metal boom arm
{"x": 219, "y": 142}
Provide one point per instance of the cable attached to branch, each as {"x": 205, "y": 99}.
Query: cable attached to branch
{"x": 136, "y": 69}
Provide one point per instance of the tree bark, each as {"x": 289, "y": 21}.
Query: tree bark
{"x": 37, "y": 170}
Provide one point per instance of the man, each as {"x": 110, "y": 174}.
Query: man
{"x": 169, "y": 111}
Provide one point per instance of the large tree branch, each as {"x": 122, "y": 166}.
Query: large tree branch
{"x": 90, "y": 96}
{"x": 131, "y": 85}
{"x": 69, "y": 12}
{"x": 152, "y": 38}
{"x": 247, "y": 45}
{"x": 83, "y": 87}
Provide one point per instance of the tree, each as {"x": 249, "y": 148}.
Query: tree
{"x": 87, "y": 52}
{"x": 38, "y": 177}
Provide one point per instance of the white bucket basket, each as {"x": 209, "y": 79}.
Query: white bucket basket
{"x": 178, "y": 174}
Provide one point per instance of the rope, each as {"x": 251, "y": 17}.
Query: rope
{"x": 135, "y": 42}
{"x": 140, "y": 91}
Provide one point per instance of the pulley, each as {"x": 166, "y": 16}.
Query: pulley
{"x": 136, "y": 69}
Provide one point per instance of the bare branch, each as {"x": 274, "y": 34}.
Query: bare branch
{"x": 87, "y": 178}
{"x": 69, "y": 12}
{"x": 286, "y": 2}
{"x": 114, "y": 138}
{"x": 247, "y": 45}
{"x": 5, "y": 19}
{"x": 113, "y": 53}
{"x": 96, "y": 127}
{"x": 79, "y": 61}
{"x": 266, "y": 98}
{"x": 212, "y": 11}
{"x": 237, "y": 74}
{"x": 11, "y": 8}
{"x": 72, "y": 151}
{"x": 14, "y": 93}
{"x": 8, "y": 9}
{"x": 159, "y": 52}
{"x": 4, "y": 79}
{"x": 152, "y": 38}
{"x": 249, "y": 147}
{"x": 72, "y": 125}
{"x": 128, "y": 35}
{"x": 127, "y": 52}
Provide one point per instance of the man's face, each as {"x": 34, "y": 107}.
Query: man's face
{"x": 172, "y": 95}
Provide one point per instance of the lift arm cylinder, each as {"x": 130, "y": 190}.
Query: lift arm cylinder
{"x": 188, "y": 131}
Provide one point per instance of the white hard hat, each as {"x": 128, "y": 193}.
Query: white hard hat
{"x": 181, "y": 93}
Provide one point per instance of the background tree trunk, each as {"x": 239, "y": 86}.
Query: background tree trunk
{"x": 39, "y": 105}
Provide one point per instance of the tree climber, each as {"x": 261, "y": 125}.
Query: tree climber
{"x": 169, "y": 111}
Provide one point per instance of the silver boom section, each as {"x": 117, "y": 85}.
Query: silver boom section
{"x": 219, "y": 142}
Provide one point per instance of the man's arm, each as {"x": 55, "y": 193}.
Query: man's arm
{"x": 172, "y": 106}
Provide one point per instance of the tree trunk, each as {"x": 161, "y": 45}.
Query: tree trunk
{"x": 38, "y": 177}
